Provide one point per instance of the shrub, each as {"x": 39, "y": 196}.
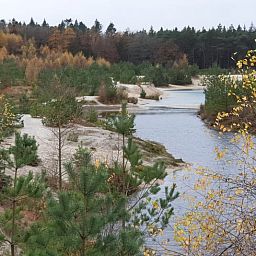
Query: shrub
{"x": 24, "y": 104}
{"x": 179, "y": 76}
{"x": 11, "y": 74}
{"x": 124, "y": 72}
{"x": 152, "y": 97}
{"x": 214, "y": 70}
{"x": 7, "y": 118}
{"x": 108, "y": 94}
{"x": 122, "y": 93}
{"x": 92, "y": 115}
{"x": 160, "y": 77}
{"x": 5, "y": 181}
{"x": 72, "y": 136}
{"x": 217, "y": 91}
{"x": 36, "y": 110}
{"x": 132, "y": 100}
{"x": 143, "y": 94}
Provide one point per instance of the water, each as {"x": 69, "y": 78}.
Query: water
{"x": 183, "y": 97}
{"x": 185, "y": 136}
{"x": 182, "y": 131}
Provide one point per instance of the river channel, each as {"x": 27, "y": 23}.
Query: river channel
{"x": 185, "y": 136}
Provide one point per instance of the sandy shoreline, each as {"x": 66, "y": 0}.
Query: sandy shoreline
{"x": 143, "y": 105}
{"x": 105, "y": 146}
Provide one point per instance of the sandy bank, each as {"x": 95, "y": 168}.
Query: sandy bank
{"x": 105, "y": 146}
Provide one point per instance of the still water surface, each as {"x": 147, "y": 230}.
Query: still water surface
{"x": 185, "y": 136}
{"x": 180, "y": 130}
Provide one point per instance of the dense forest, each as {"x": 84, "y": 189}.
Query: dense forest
{"x": 204, "y": 48}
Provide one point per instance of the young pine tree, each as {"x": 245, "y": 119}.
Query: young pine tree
{"x": 59, "y": 113}
{"x": 24, "y": 152}
{"x": 132, "y": 175}
{"x": 77, "y": 220}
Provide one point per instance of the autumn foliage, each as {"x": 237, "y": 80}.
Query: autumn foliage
{"x": 222, "y": 218}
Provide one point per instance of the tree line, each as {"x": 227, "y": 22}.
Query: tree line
{"x": 204, "y": 47}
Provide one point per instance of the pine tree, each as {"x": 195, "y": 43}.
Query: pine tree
{"x": 77, "y": 220}
{"x": 133, "y": 176}
{"x": 45, "y": 24}
{"x": 24, "y": 152}
{"x": 59, "y": 113}
{"x": 95, "y": 215}
{"x": 97, "y": 27}
{"x": 111, "y": 30}
{"x": 31, "y": 23}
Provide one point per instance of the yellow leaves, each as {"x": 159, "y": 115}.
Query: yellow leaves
{"x": 245, "y": 62}
{"x": 154, "y": 230}
{"x": 202, "y": 184}
{"x": 239, "y": 191}
{"x": 244, "y": 98}
{"x": 228, "y": 204}
{"x": 211, "y": 194}
{"x": 9, "y": 40}
{"x": 103, "y": 62}
{"x": 219, "y": 154}
{"x": 155, "y": 205}
{"x": 194, "y": 230}
{"x": 7, "y": 117}
{"x": 97, "y": 163}
{"x": 254, "y": 94}
{"x": 239, "y": 225}
{"x": 239, "y": 64}
{"x": 248, "y": 143}
{"x": 149, "y": 252}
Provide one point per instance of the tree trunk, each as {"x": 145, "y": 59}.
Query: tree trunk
{"x": 124, "y": 180}
{"x": 13, "y": 215}
{"x": 83, "y": 248}
{"x": 59, "y": 158}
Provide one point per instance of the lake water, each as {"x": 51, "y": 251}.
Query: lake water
{"x": 185, "y": 136}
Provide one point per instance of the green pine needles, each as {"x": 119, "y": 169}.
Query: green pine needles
{"x": 105, "y": 209}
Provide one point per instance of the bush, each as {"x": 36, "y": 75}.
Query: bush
{"x": 24, "y": 104}
{"x": 108, "y": 94}
{"x": 11, "y": 74}
{"x": 217, "y": 97}
{"x": 36, "y": 110}
{"x": 160, "y": 77}
{"x": 124, "y": 72}
{"x": 143, "y": 94}
{"x": 72, "y": 136}
{"x": 122, "y": 94}
{"x": 84, "y": 81}
{"x": 192, "y": 70}
{"x": 132, "y": 100}
{"x": 92, "y": 115}
{"x": 214, "y": 70}
{"x": 153, "y": 97}
{"x": 5, "y": 181}
{"x": 179, "y": 76}
{"x": 7, "y": 118}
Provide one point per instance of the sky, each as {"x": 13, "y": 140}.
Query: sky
{"x": 134, "y": 14}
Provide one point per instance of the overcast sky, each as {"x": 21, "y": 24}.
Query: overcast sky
{"x": 134, "y": 14}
